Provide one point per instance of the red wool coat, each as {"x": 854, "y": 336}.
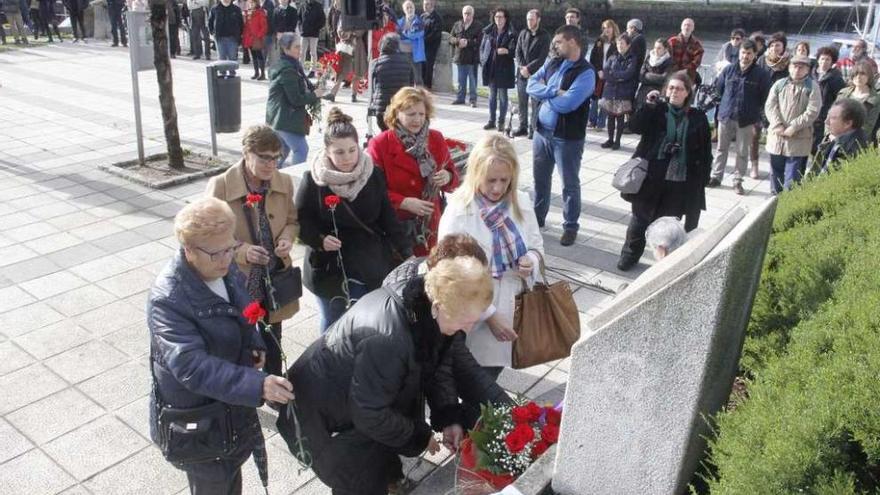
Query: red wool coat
{"x": 256, "y": 26}
{"x": 403, "y": 177}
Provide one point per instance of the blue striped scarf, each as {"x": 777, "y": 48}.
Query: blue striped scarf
{"x": 507, "y": 243}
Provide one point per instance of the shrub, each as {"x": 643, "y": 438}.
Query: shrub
{"x": 811, "y": 423}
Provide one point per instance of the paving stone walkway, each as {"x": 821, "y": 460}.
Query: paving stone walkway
{"x": 80, "y": 248}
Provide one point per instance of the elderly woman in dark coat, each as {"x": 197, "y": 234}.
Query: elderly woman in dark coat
{"x": 391, "y": 71}
{"x": 203, "y": 354}
{"x": 621, "y": 80}
{"x": 676, "y": 143}
{"x": 361, "y": 389}
{"x": 497, "y": 52}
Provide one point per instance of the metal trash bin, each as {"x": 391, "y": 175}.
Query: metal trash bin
{"x": 224, "y": 96}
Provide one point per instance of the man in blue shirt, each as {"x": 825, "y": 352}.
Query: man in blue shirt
{"x": 562, "y": 87}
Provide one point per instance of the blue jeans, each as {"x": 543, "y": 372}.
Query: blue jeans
{"x": 332, "y": 309}
{"x": 467, "y": 73}
{"x": 549, "y": 151}
{"x": 785, "y": 172}
{"x": 227, "y": 48}
{"x": 292, "y": 142}
{"x": 497, "y": 95}
{"x": 597, "y": 115}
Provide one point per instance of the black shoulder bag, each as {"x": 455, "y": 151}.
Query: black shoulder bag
{"x": 283, "y": 285}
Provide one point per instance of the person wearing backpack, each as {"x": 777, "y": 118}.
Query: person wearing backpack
{"x": 791, "y": 108}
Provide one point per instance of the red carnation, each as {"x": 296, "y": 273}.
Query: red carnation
{"x": 534, "y": 411}
{"x": 553, "y": 416}
{"x": 550, "y": 433}
{"x": 515, "y": 443}
{"x": 539, "y": 448}
{"x": 331, "y": 201}
{"x": 520, "y": 414}
{"x": 254, "y": 312}
{"x": 253, "y": 199}
{"x": 525, "y": 431}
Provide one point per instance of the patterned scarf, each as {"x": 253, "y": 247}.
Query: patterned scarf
{"x": 507, "y": 243}
{"x": 255, "y": 286}
{"x": 416, "y": 145}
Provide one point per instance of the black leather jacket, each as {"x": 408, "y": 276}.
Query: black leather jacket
{"x": 201, "y": 347}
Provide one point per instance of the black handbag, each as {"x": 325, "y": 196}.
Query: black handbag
{"x": 195, "y": 434}
{"x": 283, "y": 285}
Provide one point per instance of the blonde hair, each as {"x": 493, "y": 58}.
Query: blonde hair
{"x": 405, "y": 98}
{"x": 459, "y": 284}
{"x": 492, "y": 148}
{"x": 203, "y": 218}
{"x": 614, "y": 28}
{"x": 259, "y": 138}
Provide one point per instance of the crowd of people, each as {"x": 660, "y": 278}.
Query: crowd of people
{"x": 415, "y": 267}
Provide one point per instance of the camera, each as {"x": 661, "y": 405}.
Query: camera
{"x": 671, "y": 149}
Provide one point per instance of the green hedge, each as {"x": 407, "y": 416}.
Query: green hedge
{"x": 811, "y": 423}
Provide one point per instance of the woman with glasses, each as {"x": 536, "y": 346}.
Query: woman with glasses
{"x": 204, "y": 358}
{"x": 266, "y": 225}
{"x": 675, "y": 142}
{"x": 861, "y": 89}
{"x": 497, "y": 58}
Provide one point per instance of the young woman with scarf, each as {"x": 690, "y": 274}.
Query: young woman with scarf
{"x": 655, "y": 70}
{"x": 675, "y": 141}
{"x": 349, "y": 238}
{"x": 417, "y": 165}
{"x": 491, "y": 209}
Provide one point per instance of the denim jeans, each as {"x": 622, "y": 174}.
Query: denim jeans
{"x": 467, "y": 73}
{"x": 497, "y": 95}
{"x": 332, "y": 309}
{"x": 597, "y": 115}
{"x": 785, "y": 172}
{"x": 227, "y": 48}
{"x": 549, "y": 151}
{"x": 295, "y": 143}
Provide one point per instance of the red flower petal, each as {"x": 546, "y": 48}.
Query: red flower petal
{"x": 552, "y": 416}
{"x": 331, "y": 201}
{"x": 550, "y": 433}
{"x": 254, "y": 312}
{"x": 520, "y": 414}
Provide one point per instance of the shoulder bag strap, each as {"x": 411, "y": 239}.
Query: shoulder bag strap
{"x": 357, "y": 219}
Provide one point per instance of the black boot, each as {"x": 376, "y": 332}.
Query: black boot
{"x": 617, "y": 135}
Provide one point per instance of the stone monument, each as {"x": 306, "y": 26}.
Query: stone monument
{"x": 658, "y": 361}
{"x": 443, "y": 67}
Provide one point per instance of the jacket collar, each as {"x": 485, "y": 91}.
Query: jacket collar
{"x": 236, "y": 187}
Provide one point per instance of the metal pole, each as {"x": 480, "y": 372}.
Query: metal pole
{"x": 139, "y": 129}
{"x": 211, "y": 75}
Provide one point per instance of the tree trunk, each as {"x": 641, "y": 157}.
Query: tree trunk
{"x": 158, "y": 17}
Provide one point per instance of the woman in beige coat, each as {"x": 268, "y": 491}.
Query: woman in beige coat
{"x": 791, "y": 108}
{"x": 262, "y": 200}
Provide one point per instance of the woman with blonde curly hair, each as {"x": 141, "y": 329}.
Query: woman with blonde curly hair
{"x": 417, "y": 165}
{"x": 489, "y": 208}
{"x": 361, "y": 390}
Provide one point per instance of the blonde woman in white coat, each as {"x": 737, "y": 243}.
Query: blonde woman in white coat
{"x": 489, "y": 196}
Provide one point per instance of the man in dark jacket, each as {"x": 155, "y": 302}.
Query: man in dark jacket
{"x": 635, "y": 28}
{"x": 361, "y": 389}
{"x": 743, "y": 88}
{"x": 433, "y": 34}
{"x": 286, "y": 17}
{"x": 391, "y": 71}
{"x": 226, "y": 23}
{"x": 532, "y": 47}
{"x": 313, "y": 19}
{"x": 562, "y": 87}
{"x": 830, "y": 82}
{"x": 573, "y": 17}
{"x": 845, "y": 139}
{"x": 203, "y": 351}
{"x": 465, "y": 40}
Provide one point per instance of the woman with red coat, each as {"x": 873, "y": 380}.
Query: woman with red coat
{"x": 417, "y": 165}
{"x": 388, "y": 26}
{"x": 256, "y": 26}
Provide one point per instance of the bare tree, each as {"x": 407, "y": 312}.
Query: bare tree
{"x": 158, "y": 17}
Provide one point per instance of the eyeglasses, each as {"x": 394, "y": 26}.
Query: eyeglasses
{"x": 222, "y": 254}
{"x": 268, "y": 158}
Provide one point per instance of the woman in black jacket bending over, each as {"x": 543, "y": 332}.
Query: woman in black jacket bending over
{"x": 391, "y": 71}
{"x": 346, "y": 221}
{"x": 676, "y": 143}
{"x": 361, "y": 388}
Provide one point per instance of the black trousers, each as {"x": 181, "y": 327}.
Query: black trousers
{"x": 117, "y": 25}
{"x": 199, "y": 34}
{"x": 428, "y": 66}
{"x": 670, "y": 201}
{"x": 77, "y": 18}
{"x": 202, "y": 486}
{"x": 174, "y": 39}
{"x": 525, "y": 102}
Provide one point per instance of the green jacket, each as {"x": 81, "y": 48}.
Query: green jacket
{"x": 289, "y": 97}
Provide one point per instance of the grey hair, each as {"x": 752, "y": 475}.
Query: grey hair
{"x": 289, "y": 39}
{"x": 666, "y": 232}
{"x": 390, "y": 43}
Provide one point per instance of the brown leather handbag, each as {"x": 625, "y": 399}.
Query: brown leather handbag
{"x": 546, "y": 322}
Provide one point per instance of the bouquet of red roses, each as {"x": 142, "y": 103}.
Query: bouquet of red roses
{"x": 506, "y": 440}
